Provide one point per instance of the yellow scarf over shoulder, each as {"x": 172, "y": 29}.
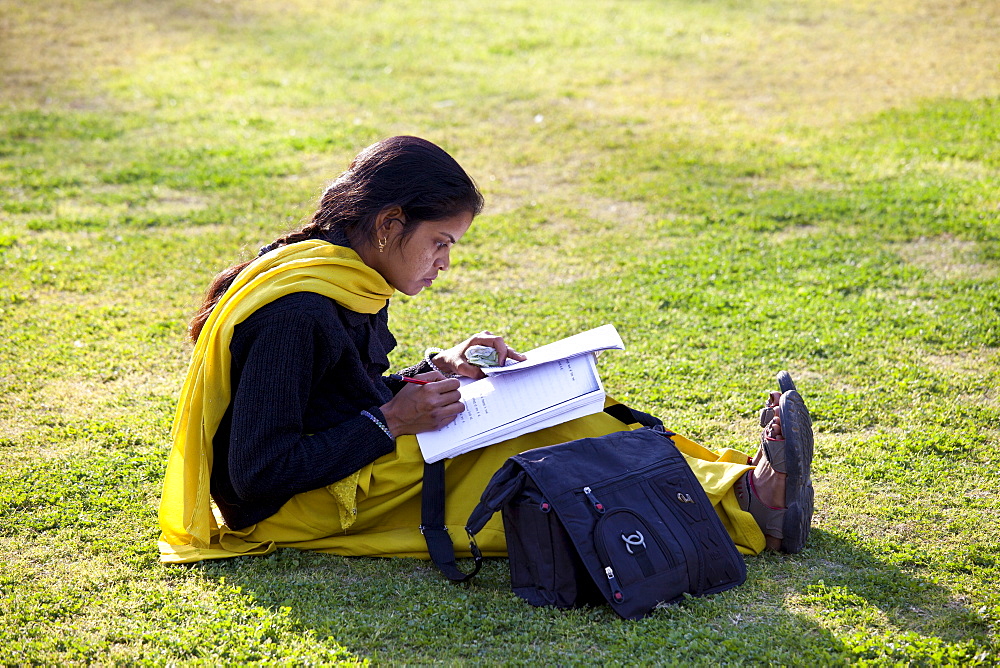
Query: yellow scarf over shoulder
{"x": 187, "y": 521}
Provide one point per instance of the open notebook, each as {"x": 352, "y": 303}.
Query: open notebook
{"x": 558, "y": 382}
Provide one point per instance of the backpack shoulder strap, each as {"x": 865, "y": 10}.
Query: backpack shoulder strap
{"x": 504, "y": 484}
{"x": 432, "y": 526}
{"x": 628, "y": 415}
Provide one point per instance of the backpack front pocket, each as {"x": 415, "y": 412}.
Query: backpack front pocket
{"x": 632, "y": 547}
{"x": 639, "y": 557}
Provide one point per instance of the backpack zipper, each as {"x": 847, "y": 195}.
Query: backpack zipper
{"x": 598, "y": 506}
{"x": 616, "y": 592}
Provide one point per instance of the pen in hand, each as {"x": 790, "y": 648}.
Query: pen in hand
{"x": 407, "y": 379}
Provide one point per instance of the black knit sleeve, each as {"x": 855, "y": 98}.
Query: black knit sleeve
{"x": 272, "y": 454}
{"x": 396, "y": 385}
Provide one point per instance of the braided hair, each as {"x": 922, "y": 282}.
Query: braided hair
{"x": 411, "y": 173}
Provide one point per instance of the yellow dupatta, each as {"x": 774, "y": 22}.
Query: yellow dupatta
{"x": 190, "y": 530}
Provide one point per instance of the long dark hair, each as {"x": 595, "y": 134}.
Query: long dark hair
{"x": 411, "y": 173}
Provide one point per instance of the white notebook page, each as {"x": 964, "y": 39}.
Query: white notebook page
{"x": 495, "y": 402}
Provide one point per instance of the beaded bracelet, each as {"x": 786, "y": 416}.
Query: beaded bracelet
{"x": 380, "y": 424}
{"x": 427, "y": 358}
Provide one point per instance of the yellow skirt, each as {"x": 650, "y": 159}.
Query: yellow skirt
{"x": 386, "y": 518}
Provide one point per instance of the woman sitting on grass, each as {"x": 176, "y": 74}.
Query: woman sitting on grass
{"x": 289, "y": 423}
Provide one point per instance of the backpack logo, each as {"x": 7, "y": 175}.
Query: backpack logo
{"x": 636, "y": 540}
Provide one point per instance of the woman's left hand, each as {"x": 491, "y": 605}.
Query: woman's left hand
{"x": 453, "y": 360}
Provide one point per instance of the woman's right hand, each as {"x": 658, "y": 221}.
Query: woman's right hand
{"x": 419, "y": 408}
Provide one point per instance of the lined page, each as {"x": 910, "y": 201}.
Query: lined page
{"x": 493, "y": 402}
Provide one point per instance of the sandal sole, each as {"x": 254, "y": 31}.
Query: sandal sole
{"x": 785, "y": 382}
{"x": 796, "y": 427}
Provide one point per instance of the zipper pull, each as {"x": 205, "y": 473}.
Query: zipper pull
{"x": 598, "y": 506}
{"x": 616, "y": 592}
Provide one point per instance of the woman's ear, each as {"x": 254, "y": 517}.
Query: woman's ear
{"x": 387, "y": 218}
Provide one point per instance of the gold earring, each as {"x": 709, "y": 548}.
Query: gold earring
{"x": 381, "y": 244}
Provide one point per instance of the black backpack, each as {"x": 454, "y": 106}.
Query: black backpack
{"x": 619, "y": 518}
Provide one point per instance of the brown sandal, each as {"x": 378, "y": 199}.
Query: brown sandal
{"x": 770, "y": 520}
{"x": 792, "y": 455}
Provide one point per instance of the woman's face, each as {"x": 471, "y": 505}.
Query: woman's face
{"x": 412, "y": 263}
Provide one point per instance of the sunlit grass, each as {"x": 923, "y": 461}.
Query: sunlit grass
{"x": 739, "y": 186}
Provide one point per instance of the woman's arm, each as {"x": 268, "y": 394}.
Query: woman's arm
{"x": 410, "y": 371}
{"x": 272, "y": 454}
{"x": 452, "y": 361}
{"x": 419, "y": 408}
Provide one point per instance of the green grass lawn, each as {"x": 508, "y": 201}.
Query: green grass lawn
{"x": 740, "y": 187}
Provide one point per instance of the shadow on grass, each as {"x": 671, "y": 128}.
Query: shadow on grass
{"x": 836, "y": 602}
{"x": 843, "y": 582}
{"x": 833, "y": 603}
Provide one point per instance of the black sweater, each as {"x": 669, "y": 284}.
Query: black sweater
{"x": 303, "y": 369}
